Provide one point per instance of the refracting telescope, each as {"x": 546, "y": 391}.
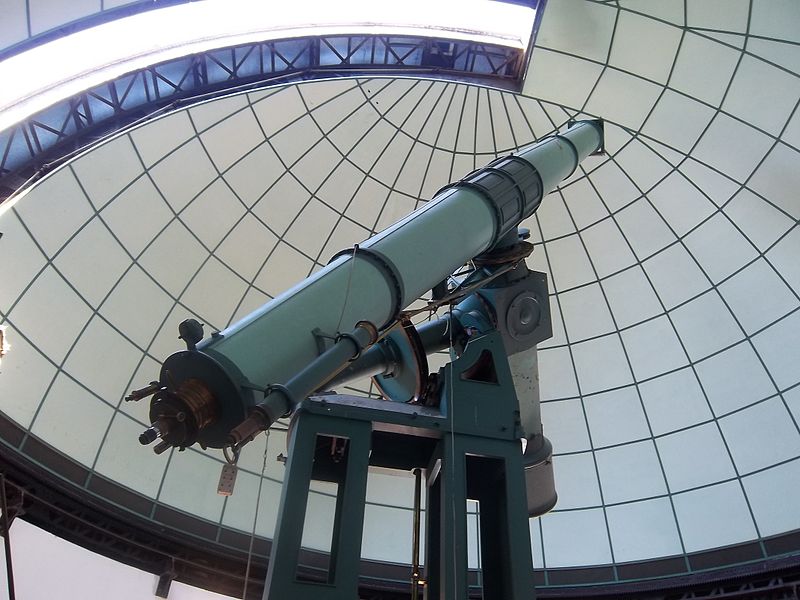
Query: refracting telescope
{"x": 351, "y": 319}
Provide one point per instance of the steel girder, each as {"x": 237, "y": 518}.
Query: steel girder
{"x": 31, "y": 148}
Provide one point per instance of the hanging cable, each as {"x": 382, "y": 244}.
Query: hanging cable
{"x": 255, "y": 517}
{"x": 460, "y": 291}
{"x": 347, "y": 290}
{"x": 415, "y": 574}
{"x": 451, "y": 467}
{"x": 7, "y": 538}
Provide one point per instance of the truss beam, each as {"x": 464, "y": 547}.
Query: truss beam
{"x": 33, "y": 147}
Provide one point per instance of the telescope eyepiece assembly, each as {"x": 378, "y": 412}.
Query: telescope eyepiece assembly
{"x": 179, "y": 416}
{"x": 188, "y": 401}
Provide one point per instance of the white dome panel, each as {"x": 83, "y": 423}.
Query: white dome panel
{"x": 670, "y": 386}
{"x": 714, "y": 516}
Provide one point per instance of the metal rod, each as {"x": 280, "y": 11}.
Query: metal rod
{"x": 7, "y": 537}
{"x": 415, "y": 538}
{"x": 279, "y": 399}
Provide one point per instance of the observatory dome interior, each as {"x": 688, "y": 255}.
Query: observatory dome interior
{"x": 670, "y": 388}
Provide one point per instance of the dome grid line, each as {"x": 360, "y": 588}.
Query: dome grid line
{"x": 391, "y": 186}
{"x": 621, "y": 341}
{"x": 436, "y": 139}
{"x": 586, "y": 424}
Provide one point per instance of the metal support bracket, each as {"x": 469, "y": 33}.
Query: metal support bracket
{"x": 464, "y": 456}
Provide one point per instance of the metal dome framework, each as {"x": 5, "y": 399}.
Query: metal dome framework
{"x": 670, "y": 395}
{"x": 35, "y": 146}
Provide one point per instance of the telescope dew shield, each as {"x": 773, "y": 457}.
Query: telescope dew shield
{"x": 395, "y": 267}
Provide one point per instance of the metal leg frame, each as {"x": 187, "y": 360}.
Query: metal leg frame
{"x": 490, "y": 471}
{"x": 345, "y": 556}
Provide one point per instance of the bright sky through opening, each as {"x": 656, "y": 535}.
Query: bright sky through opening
{"x": 57, "y": 70}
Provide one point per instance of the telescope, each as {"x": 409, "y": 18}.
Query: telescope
{"x": 352, "y": 319}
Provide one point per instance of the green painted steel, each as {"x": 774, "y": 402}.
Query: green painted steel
{"x": 469, "y": 448}
{"x": 345, "y": 555}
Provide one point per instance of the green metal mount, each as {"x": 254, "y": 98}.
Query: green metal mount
{"x": 469, "y": 448}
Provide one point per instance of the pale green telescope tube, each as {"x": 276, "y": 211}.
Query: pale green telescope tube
{"x": 234, "y": 370}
